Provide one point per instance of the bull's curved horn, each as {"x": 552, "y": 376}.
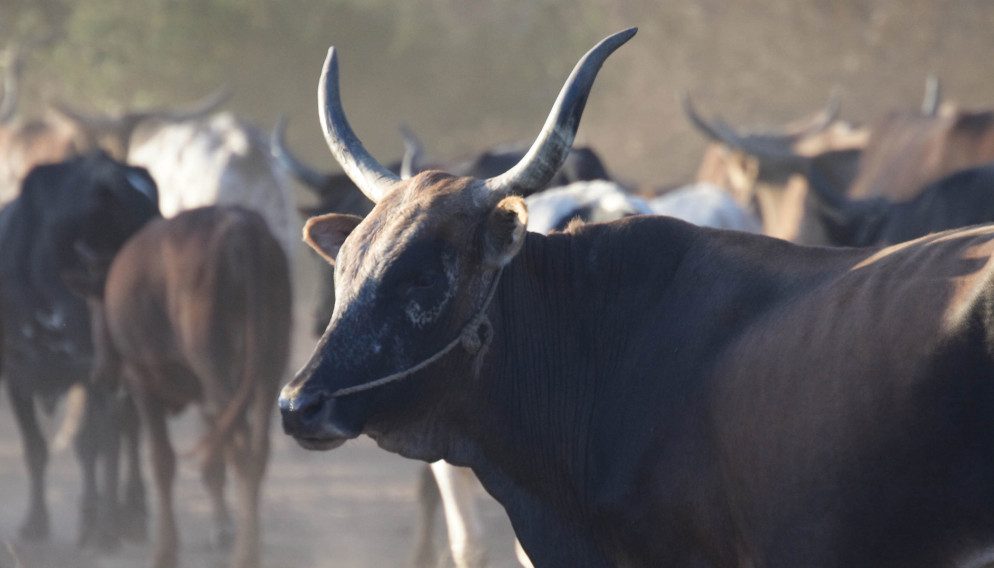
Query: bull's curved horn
{"x": 823, "y": 119}
{"x": 371, "y": 177}
{"x": 414, "y": 151}
{"x": 933, "y": 95}
{"x": 550, "y": 149}
{"x": 717, "y": 132}
{"x": 304, "y": 173}
{"x": 11, "y": 79}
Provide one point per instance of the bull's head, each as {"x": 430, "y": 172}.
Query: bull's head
{"x": 415, "y": 278}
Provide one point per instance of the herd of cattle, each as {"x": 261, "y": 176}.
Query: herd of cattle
{"x": 639, "y": 380}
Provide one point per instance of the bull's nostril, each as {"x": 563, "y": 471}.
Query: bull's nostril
{"x": 310, "y": 409}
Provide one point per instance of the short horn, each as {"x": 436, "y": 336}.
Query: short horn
{"x": 550, "y": 149}
{"x": 933, "y": 95}
{"x": 304, "y": 173}
{"x": 371, "y": 177}
{"x": 414, "y": 151}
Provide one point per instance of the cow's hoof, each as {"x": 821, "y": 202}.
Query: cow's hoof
{"x": 35, "y": 528}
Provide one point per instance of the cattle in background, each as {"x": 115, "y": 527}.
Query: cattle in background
{"x": 893, "y": 158}
{"x": 763, "y": 171}
{"x": 582, "y": 201}
{"x": 218, "y": 160}
{"x": 652, "y": 393}
{"x": 704, "y": 205}
{"x": 196, "y": 309}
{"x": 66, "y": 132}
{"x": 338, "y": 194}
{"x": 958, "y": 200}
{"x": 89, "y": 201}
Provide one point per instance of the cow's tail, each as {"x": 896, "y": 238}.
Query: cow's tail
{"x": 241, "y": 254}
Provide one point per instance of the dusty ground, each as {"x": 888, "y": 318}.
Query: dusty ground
{"x": 353, "y": 507}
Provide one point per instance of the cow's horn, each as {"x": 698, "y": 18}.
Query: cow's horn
{"x": 933, "y": 95}
{"x": 11, "y": 78}
{"x": 718, "y": 131}
{"x": 413, "y": 153}
{"x": 550, "y": 149}
{"x": 304, "y": 173}
{"x": 370, "y": 176}
{"x": 823, "y": 119}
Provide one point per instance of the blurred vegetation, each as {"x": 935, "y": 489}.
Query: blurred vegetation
{"x": 467, "y": 75}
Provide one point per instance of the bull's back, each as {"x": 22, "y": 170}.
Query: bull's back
{"x": 872, "y": 388}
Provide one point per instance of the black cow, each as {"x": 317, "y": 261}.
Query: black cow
{"x": 93, "y": 202}
{"x": 652, "y": 393}
{"x": 957, "y": 200}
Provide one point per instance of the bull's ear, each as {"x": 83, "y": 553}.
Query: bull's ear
{"x": 505, "y": 231}
{"x": 326, "y": 233}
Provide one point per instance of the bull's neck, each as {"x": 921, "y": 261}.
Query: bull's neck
{"x": 559, "y": 328}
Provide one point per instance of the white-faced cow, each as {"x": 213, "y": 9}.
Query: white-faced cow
{"x": 196, "y": 309}
{"x": 90, "y": 201}
{"x": 651, "y": 393}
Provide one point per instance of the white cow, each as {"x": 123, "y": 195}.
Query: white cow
{"x": 706, "y": 205}
{"x": 218, "y": 160}
{"x": 552, "y": 210}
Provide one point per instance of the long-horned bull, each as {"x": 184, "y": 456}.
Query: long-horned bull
{"x": 652, "y": 393}
{"x": 764, "y": 170}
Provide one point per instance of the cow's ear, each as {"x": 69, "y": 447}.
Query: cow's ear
{"x": 505, "y": 231}
{"x": 326, "y": 233}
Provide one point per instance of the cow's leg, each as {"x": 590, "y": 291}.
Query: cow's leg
{"x": 134, "y": 514}
{"x": 250, "y": 459}
{"x": 457, "y": 486}
{"x": 97, "y": 437}
{"x": 35, "y": 526}
{"x": 425, "y": 553}
{"x": 164, "y": 469}
{"x": 212, "y": 473}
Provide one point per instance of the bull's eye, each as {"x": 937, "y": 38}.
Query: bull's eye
{"x": 419, "y": 282}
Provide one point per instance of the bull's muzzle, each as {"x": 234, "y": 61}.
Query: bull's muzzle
{"x": 307, "y": 416}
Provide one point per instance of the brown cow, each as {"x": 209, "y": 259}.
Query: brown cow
{"x": 764, "y": 171}
{"x": 196, "y": 309}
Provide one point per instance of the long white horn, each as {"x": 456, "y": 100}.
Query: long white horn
{"x": 550, "y": 149}
{"x": 371, "y": 177}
